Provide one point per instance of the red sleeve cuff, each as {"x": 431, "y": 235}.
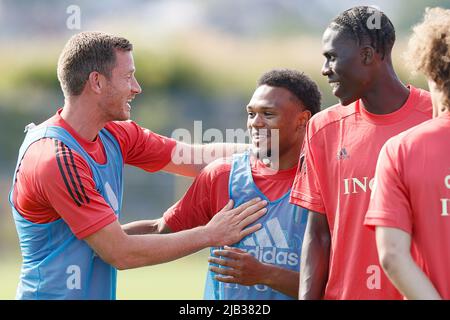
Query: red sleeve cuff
{"x": 299, "y": 200}
{"x": 107, "y": 220}
{"x": 171, "y": 222}
{"x": 373, "y": 219}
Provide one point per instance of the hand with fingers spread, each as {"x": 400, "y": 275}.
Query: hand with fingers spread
{"x": 228, "y": 226}
{"x": 241, "y": 267}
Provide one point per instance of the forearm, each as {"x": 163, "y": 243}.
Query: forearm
{"x": 146, "y": 227}
{"x": 315, "y": 257}
{"x": 394, "y": 251}
{"x": 408, "y": 278}
{"x": 146, "y": 250}
{"x": 189, "y": 159}
{"x": 221, "y": 150}
{"x": 314, "y": 272}
{"x": 283, "y": 280}
{"x": 124, "y": 251}
{"x": 213, "y": 151}
{"x": 140, "y": 227}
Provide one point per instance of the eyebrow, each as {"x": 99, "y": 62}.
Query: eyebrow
{"x": 263, "y": 108}
{"x": 329, "y": 52}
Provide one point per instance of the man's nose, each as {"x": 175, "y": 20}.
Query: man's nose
{"x": 136, "y": 88}
{"x": 257, "y": 121}
{"x": 326, "y": 70}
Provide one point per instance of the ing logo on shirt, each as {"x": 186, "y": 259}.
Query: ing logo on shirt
{"x": 358, "y": 185}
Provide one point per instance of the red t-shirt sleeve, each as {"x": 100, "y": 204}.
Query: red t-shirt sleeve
{"x": 207, "y": 195}
{"x": 306, "y": 190}
{"x": 389, "y": 204}
{"x": 73, "y": 194}
{"x": 55, "y": 181}
{"x": 141, "y": 147}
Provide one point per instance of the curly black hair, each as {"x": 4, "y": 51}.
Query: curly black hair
{"x": 298, "y": 83}
{"x": 365, "y": 23}
{"x": 429, "y": 49}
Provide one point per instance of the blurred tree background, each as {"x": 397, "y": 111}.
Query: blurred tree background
{"x": 195, "y": 60}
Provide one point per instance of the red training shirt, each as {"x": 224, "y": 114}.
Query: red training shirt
{"x": 41, "y": 195}
{"x": 342, "y": 144}
{"x": 412, "y": 194}
{"x": 208, "y": 193}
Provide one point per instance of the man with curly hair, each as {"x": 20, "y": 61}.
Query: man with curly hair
{"x": 263, "y": 266}
{"x": 410, "y": 207}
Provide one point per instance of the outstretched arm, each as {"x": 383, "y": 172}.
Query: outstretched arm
{"x": 394, "y": 251}
{"x": 124, "y": 251}
{"x": 157, "y": 226}
{"x": 242, "y": 268}
{"x": 189, "y": 159}
{"x": 314, "y": 261}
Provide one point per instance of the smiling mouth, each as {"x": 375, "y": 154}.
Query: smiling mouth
{"x": 260, "y": 141}
{"x": 260, "y": 137}
{"x": 129, "y": 103}
{"x": 334, "y": 85}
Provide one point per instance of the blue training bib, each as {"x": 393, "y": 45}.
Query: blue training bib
{"x": 278, "y": 242}
{"x": 56, "y": 265}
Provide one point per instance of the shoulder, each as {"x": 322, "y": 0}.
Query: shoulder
{"x": 423, "y": 96}
{"x": 422, "y": 100}
{"x": 123, "y": 128}
{"x": 218, "y": 168}
{"x": 413, "y": 142}
{"x": 329, "y": 117}
{"x": 54, "y": 153}
{"x": 136, "y": 141}
{"x": 41, "y": 156}
{"x": 415, "y": 135}
{"x": 46, "y": 157}
{"x": 130, "y": 129}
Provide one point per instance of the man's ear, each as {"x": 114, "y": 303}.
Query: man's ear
{"x": 304, "y": 118}
{"x": 367, "y": 55}
{"x": 96, "y": 82}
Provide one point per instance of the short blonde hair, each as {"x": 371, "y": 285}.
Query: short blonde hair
{"x": 84, "y": 53}
{"x": 429, "y": 49}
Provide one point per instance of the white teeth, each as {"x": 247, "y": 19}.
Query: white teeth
{"x": 334, "y": 85}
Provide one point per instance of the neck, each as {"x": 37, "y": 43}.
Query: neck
{"x": 82, "y": 115}
{"x": 442, "y": 110}
{"x": 286, "y": 160}
{"x": 386, "y": 94}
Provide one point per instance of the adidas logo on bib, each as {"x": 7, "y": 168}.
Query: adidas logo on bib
{"x": 269, "y": 245}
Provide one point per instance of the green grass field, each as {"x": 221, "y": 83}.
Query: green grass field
{"x": 181, "y": 279}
